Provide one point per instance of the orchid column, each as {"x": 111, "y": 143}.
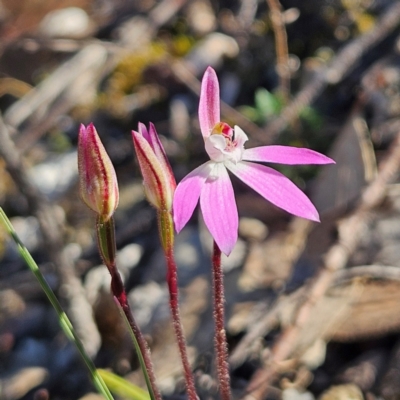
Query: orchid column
{"x": 159, "y": 185}
{"x": 210, "y": 183}
{"x": 99, "y": 190}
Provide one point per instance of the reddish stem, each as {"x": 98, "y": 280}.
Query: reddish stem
{"x": 106, "y": 238}
{"x": 221, "y": 347}
{"x": 167, "y": 240}
{"x": 120, "y": 294}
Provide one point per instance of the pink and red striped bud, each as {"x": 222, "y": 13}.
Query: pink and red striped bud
{"x": 98, "y": 181}
{"x": 158, "y": 179}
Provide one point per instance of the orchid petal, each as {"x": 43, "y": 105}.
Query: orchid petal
{"x": 159, "y": 151}
{"x": 187, "y": 194}
{"x": 218, "y": 205}
{"x": 215, "y": 145}
{"x": 152, "y": 173}
{"x": 143, "y": 131}
{"x": 240, "y": 137}
{"x": 276, "y": 188}
{"x": 155, "y": 143}
{"x": 209, "y": 107}
{"x": 285, "y": 155}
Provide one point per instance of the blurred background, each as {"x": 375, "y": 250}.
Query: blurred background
{"x": 312, "y": 310}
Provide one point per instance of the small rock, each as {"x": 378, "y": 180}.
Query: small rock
{"x": 149, "y": 304}
{"x": 315, "y": 355}
{"x": 28, "y": 231}
{"x": 340, "y": 392}
{"x": 132, "y": 30}
{"x": 211, "y": 51}
{"x": 252, "y": 229}
{"x": 56, "y": 176}
{"x": 98, "y": 278}
{"x": 71, "y": 22}
{"x": 129, "y": 257}
{"x": 72, "y": 251}
{"x": 201, "y": 17}
{"x": 239, "y": 320}
{"x": 22, "y": 382}
{"x": 294, "y": 394}
{"x": 11, "y": 304}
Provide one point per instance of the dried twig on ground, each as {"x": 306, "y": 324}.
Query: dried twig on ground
{"x": 281, "y": 47}
{"x": 39, "y": 99}
{"x": 336, "y": 259}
{"x": 66, "y": 86}
{"x": 342, "y": 64}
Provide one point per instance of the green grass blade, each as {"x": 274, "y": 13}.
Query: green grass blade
{"x": 65, "y": 323}
{"x": 138, "y": 352}
{"x": 121, "y": 387}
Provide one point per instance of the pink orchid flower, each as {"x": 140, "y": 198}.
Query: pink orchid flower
{"x": 97, "y": 178}
{"x": 211, "y": 184}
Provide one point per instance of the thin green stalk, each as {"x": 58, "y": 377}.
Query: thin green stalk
{"x": 65, "y": 323}
{"x": 139, "y": 353}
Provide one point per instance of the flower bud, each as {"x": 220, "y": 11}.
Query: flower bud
{"x": 98, "y": 181}
{"x": 158, "y": 179}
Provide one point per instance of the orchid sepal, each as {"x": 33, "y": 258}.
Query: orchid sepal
{"x": 97, "y": 177}
{"x": 158, "y": 179}
{"x": 209, "y": 107}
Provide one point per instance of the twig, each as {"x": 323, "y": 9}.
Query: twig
{"x": 265, "y": 324}
{"x": 247, "y": 13}
{"x": 281, "y": 47}
{"x": 164, "y": 11}
{"x": 78, "y": 306}
{"x": 341, "y": 66}
{"x": 40, "y": 98}
{"x": 63, "y": 89}
{"x": 336, "y": 259}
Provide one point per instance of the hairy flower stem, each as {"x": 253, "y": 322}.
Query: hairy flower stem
{"x": 167, "y": 240}
{"x": 107, "y": 247}
{"x": 221, "y": 347}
